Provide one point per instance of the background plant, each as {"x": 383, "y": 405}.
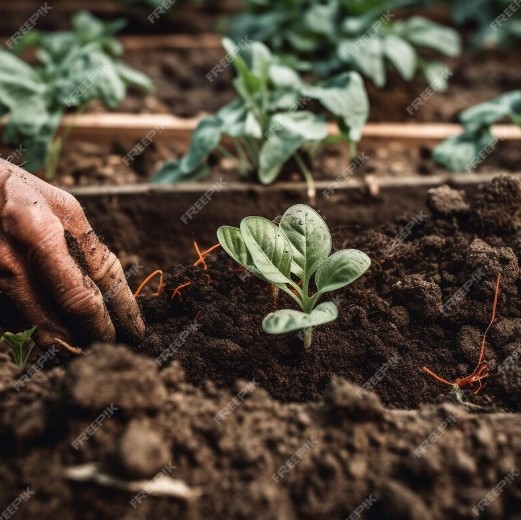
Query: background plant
{"x": 267, "y": 124}
{"x": 288, "y": 255}
{"x": 338, "y": 35}
{"x": 18, "y": 343}
{"x": 74, "y": 68}
{"x": 458, "y": 153}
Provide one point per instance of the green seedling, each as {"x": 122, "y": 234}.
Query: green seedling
{"x": 464, "y": 152}
{"x": 269, "y": 123}
{"x": 74, "y": 68}
{"x": 287, "y": 256}
{"x": 18, "y": 343}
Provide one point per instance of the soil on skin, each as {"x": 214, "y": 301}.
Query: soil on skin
{"x": 345, "y": 446}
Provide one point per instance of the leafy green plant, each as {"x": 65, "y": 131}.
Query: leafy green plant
{"x": 288, "y": 255}
{"x": 18, "y": 343}
{"x": 497, "y": 25}
{"x": 463, "y": 151}
{"x": 75, "y": 68}
{"x": 266, "y": 124}
{"x": 338, "y": 35}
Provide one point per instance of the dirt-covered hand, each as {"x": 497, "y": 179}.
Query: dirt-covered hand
{"x": 54, "y": 269}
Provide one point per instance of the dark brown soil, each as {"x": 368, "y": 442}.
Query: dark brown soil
{"x": 345, "y": 446}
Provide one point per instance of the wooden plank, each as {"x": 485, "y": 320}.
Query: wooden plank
{"x": 171, "y": 41}
{"x": 107, "y": 126}
{"x": 356, "y": 183}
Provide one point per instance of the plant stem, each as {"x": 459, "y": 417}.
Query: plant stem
{"x": 308, "y": 334}
{"x": 308, "y": 178}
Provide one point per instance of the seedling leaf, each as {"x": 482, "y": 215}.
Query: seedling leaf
{"x": 309, "y": 237}
{"x": 341, "y": 269}
{"x": 269, "y": 248}
{"x": 17, "y": 343}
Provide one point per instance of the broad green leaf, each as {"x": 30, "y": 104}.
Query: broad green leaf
{"x": 269, "y": 248}
{"x": 309, "y": 237}
{"x": 204, "y": 140}
{"x": 284, "y": 77}
{"x": 321, "y": 19}
{"x": 172, "y": 171}
{"x": 401, "y": 54}
{"x": 341, "y": 269}
{"x": 134, "y": 77}
{"x": 425, "y": 33}
{"x": 437, "y": 75}
{"x": 287, "y": 133}
{"x": 232, "y": 242}
{"x": 289, "y": 320}
{"x": 490, "y": 112}
{"x": 461, "y": 153}
{"x": 345, "y": 97}
{"x": 233, "y": 118}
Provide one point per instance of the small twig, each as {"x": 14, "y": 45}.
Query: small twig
{"x": 74, "y": 350}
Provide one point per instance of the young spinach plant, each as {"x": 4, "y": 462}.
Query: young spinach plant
{"x": 288, "y": 255}
{"x": 267, "y": 124}
{"x": 465, "y": 151}
{"x": 334, "y": 36}
{"x": 76, "y": 67}
{"x": 18, "y": 343}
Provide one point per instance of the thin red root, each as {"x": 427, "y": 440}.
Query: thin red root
{"x": 201, "y": 255}
{"x": 147, "y": 280}
{"x": 200, "y": 260}
{"x": 177, "y": 291}
{"x": 437, "y": 377}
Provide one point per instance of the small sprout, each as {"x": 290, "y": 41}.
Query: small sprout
{"x": 298, "y": 248}
{"x": 18, "y": 342}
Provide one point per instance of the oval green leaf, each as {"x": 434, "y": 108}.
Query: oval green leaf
{"x": 289, "y": 320}
{"x": 340, "y": 269}
{"x": 269, "y": 248}
{"x": 309, "y": 237}
{"x": 232, "y": 242}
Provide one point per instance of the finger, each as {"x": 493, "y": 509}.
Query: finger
{"x": 42, "y": 235}
{"x": 103, "y": 267}
{"x": 23, "y": 294}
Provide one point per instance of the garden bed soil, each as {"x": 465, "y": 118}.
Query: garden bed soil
{"x": 478, "y": 75}
{"x": 347, "y": 448}
{"x": 86, "y": 163}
